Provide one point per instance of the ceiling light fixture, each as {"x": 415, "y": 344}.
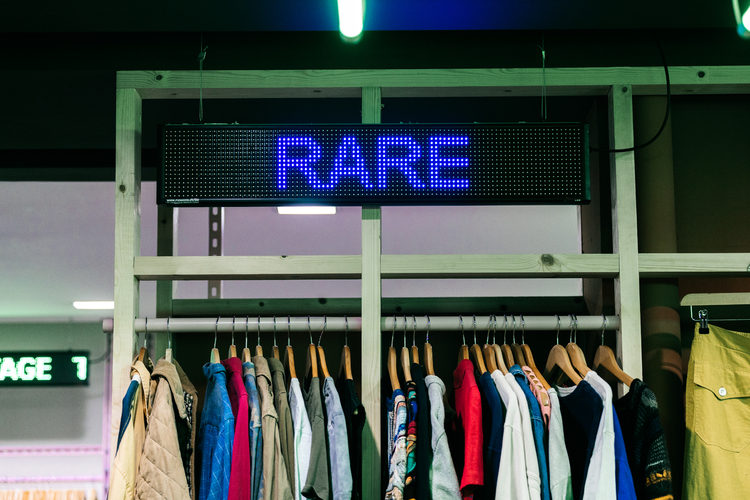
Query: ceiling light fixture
{"x": 351, "y": 19}
{"x": 743, "y": 20}
{"x": 94, "y": 304}
{"x": 307, "y": 210}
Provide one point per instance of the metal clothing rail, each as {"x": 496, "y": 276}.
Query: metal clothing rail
{"x": 256, "y": 324}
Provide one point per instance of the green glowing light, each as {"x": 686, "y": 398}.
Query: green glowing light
{"x": 351, "y": 18}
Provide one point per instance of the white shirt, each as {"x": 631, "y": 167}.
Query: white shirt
{"x": 532, "y": 462}
{"x": 511, "y": 477}
{"x": 561, "y": 484}
{"x": 302, "y": 438}
{"x": 601, "y": 479}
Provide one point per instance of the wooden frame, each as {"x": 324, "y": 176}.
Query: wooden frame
{"x": 626, "y": 266}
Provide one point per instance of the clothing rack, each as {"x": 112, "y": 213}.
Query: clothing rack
{"x": 256, "y": 324}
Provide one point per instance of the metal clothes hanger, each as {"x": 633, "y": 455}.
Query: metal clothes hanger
{"x": 405, "y": 361}
{"x": 529, "y": 357}
{"x": 246, "y": 356}
{"x": 516, "y": 348}
{"x": 605, "y": 358}
{"x": 289, "y": 367}
{"x": 414, "y": 349}
{"x": 311, "y": 360}
{"x": 463, "y": 352}
{"x": 275, "y": 345}
{"x": 143, "y": 352}
{"x": 499, "y": 361}
{"x": 505, "y": 348}
{"x": 345, "y": 364}
{"x": 392, "y": 361}
{"x": 321, "y": 354}
{"x": 488, "y": 351}
{"x": 258, "y": 348}
{"x": 215, "y": 358}
{"x": 428, "y": 366}
{"x": 168, "y": 352}
{"x": 576, "y": 354}
{"x": 559, "y": 360}
{"x": 232, "y": 347}
{"x": 476, "y": 352}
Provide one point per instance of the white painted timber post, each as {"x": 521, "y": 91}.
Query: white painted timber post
{"x": 371, "y": 295}
{"x": 625, "y": 231}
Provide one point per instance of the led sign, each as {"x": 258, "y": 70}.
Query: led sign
{"x": 44, "y": 368}
{"x": 460, "y": 164}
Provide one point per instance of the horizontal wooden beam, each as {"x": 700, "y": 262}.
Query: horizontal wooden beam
{"x": 499, "y": 266}
{"x": 304, "y": 267}
{"x": 674, "y": 265}
{"x": 404, "y": 83}
{"x": 716, "y": 299}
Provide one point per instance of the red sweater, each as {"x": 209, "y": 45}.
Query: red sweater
{"x": 469, "y": 412}
{"x": 239, "y": 477}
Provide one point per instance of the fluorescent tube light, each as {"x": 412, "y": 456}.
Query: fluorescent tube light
{"x": 94, "y": 304}
{"x": 351, "y": 18}
{"x": 307, "y": 210}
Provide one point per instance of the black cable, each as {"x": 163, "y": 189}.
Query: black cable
{"x": 666, "y": 115}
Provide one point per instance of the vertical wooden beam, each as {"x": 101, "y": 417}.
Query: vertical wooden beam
{"x": 166, "y": 246}
{"x": 625, "y": 231}
{"x": 371, "y": 345}
{"x": 127, "y": 246}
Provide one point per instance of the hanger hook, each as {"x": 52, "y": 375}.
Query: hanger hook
{"x": 309, "y": 330}
{"x": 575, "y": 329}
{"x": 427, "y": 337}
{"x": 505, "y": 329}
{"x": 234, "y": 318}
{"x": 604, "y": 326}
{"x": 216, "y": 329}
{"x": 523, "y": 330}
{"x": 489, "y": 326}
{"x": 346, "y": 330}
{"x": 145, "y": 332}
{"x": 258, "y": 330}
{"x": 413, "y": 331}
{"x": 570, "y": 335}
{"x": 247, "y": 320}
{"x": 393, "y": 330}
{"x": 558, "y": 329}
{"x": 169, "y": 335}
{"x": 274, "y": 332}
{"x": 461, "y": 320}
{"x": 325, "y": 325}
{"x": 494, "y": 329}
{"x": 514, "y": 327}
{"x": 404, "y": 331}
{"x": 288, "y": 331}
{"x": 474, "y": 327}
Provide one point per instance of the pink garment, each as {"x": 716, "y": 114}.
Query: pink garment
{"x": 469, "y": 423}
{"x": 540, "y": 393}
{"x": 239, "y": 477}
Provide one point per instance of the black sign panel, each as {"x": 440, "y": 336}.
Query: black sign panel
{"x": 35, "y": 368}
{"x": 382, "y": 164}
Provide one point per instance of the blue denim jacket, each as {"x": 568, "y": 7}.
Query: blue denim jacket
{"x": 215, "y": 436}
{"x": 537, "y": 426}
{"x": 256, "y": 435}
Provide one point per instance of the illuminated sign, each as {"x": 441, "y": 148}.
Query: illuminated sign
{"x": 34, "y": 368}
{"x": 459, "y": 164}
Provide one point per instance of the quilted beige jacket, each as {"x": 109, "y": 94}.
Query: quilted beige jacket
{"x": 162, "y": 472}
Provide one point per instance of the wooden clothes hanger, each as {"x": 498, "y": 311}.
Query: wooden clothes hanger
{"x": 463, "y": 351}
{"x": 393, "y": 361}
{"x": 311, "y": 360}
{"x": 428, "y": 366}
{"x": 215, "y": 357}
{"x": 232, "y": 347}
{"x": 605, "y": 358}
{"x": 258, "y": 348}
{"x": 498, "y": 353}
{"x": 405, "y": 358}
{"x": 577, "y": 359}
{"x": 275, "y": 345}
{"x": 529, "y": 357}
{"x": 246, "y": 356}
{"x": 558, "y": 359}
{"x": 321, "y": 354}
{"x": 505, "y": 348}
{"x": 476, "y": 352}
{"x": 289, "y": 368}
{"x": 345, "y": 364}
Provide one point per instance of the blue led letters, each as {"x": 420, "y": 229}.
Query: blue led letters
{"x": 400, "y": 153}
